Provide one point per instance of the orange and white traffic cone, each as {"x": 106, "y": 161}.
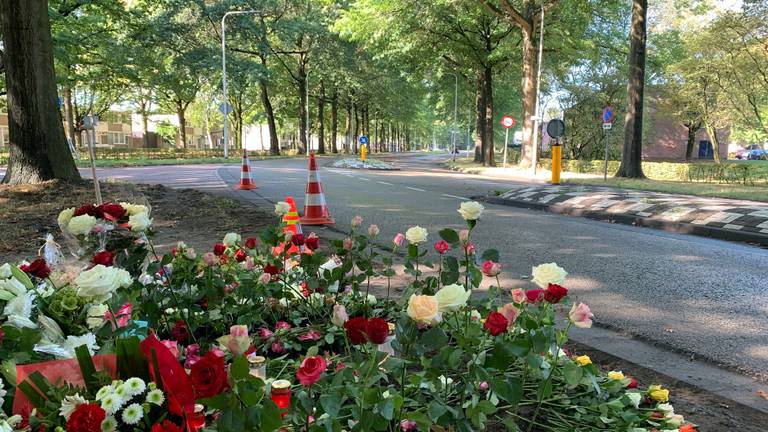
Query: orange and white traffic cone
{"x": 246, "y": 181}
{"x": 292, "y": 225}
{"x": 315, "y": 208}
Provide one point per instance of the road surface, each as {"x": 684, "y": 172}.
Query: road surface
{"x": 703, "y": 296}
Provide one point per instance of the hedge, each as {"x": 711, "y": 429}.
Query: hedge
{"x": 165, "y": 153}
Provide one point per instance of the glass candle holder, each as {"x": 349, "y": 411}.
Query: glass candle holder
{"x": 258, "y": 366}
{"x": 281, "y": 395}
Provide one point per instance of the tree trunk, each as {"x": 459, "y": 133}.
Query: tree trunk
{"x": 38, "y": 146}
{"x": 347, "y": 125}
{"x": 302, "y": 86}
{"x": 69, "y": 116}
{"x": 321, "y": 120}
{"x": 693, "y": 127}
{"x": 357, "y": 127}
{"x": 631, "y": 157}
{"x": 489, "y": 158}
{"x": 334, "y": 121}
{"x": 181, "y": 112}
{"x": 207, "y": 120}
{"x": 529, "y": 97}
{"x": 712, "y": 133}
{"x": 480, "y": 118}
{"x": 274, "y": 144}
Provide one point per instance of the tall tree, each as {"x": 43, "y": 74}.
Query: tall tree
{"x": 38, "y": 147}
{"x": 632, "y": 155}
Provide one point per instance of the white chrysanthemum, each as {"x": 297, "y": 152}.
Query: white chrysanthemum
{"x": 2, "y": 392}
{"x": 122, "y": 392}
{"x": 135, "y": 386}
{"x": 156, "y": 397}
{"x": 104, "y": 391}
{"x": 109, "y": 424}
{"x": 111, "y": 403}
{"x": 69, "y": 404}
{"x": 81, "y": 225}
{"x": 88, "y": 339}
{"x": 132, "y": 414}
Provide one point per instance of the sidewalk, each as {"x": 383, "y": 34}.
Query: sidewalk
{"x": 725, "y": 219}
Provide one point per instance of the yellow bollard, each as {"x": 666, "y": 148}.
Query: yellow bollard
{"x": 557, "y": 155}
{"x": 363, "y": 149}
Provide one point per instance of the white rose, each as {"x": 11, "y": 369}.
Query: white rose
{"x": 416, "y": 235}
{"x": 471, "y": 210}
{"x": 133, "y": 209}
{"x": 139, "y": 221}
{"x": 65, "y": 216}
{"x": 81, "y": 225}
{"x": 452, "y": 298}
{"x": 546, "y": 274}
{"x": 282, "y": 208}
{"x": 101, "y": 281}
{"x": 5, "y": 271}
{"x": 231, "y": 239}
{"x": 96, "y": 316}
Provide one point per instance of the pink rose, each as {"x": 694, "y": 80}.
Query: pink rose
{"x": 470, "y": 249}
{"x": 265, "y": 333}
{"x": 278, "y": 348}
{"x": 347, "y": 243}
{"x": 442, "y": 247}
{"x": 491, "y": 268}
{"x": 282, "y": 325}
{"x": 464, "y": 236}
{"x": 210, "y": 259}
{"x": 373, "y": 230}
{"x": 122, "y": 316}
{"x": 191, "y": 355}
{"x": 398, "y": 240}
{"x": 172, "y": 346}
{"x": 311, "y": 369}
{"x": 217, "y": 352}
{"x": 238, "y": 331}
{"x": 311, "y": 335}
{"x": 339, "y": 316}
{"x": 581, "y": 316}
{"x": 518, "y": 295}
{"x": 484, "y": 386}
{"x": 265, "y": 278}
{"x": 357, "y": 221}
{"x": 510, "y": 312}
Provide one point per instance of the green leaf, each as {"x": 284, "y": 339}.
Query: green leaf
{"x": 331, "y": 404}
{"x": 434, "y": 338}
{"x": 491, "y": 255}
{"x": 239, "y": 369}
{"x": 449, "y": 235}
{"x": 387, "y": 408}
{"x": 22, "y": 277}
{"x": 35, "y": 397}
{"x": 486, "y": 407}
{"x": 436, "y": 410}
{"x": 87, "y": 368}
{"x": 573, "y": 373}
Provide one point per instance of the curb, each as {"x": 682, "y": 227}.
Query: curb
{"x": 675, "y": 227}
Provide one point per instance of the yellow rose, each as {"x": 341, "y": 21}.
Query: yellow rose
{"x": 583, "y": 360}
{"x": 424, "y": 308}
{"x": 657, "y": 393}
{"x": 617, "y": 376}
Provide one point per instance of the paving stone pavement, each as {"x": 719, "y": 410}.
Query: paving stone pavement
{"x": 720, "y": 213}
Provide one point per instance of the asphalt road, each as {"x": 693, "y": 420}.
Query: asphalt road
{"x": 703, "y": 296}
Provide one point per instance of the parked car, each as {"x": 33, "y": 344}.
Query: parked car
{"x": 752, "y": 152}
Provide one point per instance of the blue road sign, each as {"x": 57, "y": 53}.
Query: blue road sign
{"x": 363, "y": 139}
{"x": 225, "y": 108}
{"x": 608, "y": 114}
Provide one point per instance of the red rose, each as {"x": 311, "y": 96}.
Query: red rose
{"x": 534, "y": 295}
{"x": 298, "y": 239}
{"x": 166, "y": 426}
{"x": 251, "y": 242}
{"x": 180, "y": 331}
{"x": 111, "y": 211}
{"x": 357, "y": 330}
{"x": 240, "y": 255}
{"x": 312, "y": 242}
{"x": 378, "y": 330}
{"x": 88, "y": 209}
{"x": 208, "y": 376}
{"x": 37, "y": 268}
{"x": 632, "y": 383}
{"x": 442, "y": 247}
{"x": 86, "y": 418}
{"x": 310, "y": 370}
{"x": 218, "y": 249}
{"x": 2, "y": 336}
{"x": 105, "y": 258}
{"x": 554, "y": 293}
{"x": 496, "y": 323}
{"x": 271, "y": 269}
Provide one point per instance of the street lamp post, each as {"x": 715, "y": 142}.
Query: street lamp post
{"x": 455, "y": 113}
{"x": 225, "y": 105}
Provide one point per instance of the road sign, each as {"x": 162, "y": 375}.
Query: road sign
{"x": 508, "y": 122}
{"x": 608, "y": 115}
{"x": 556, "y": 128}
{"x": 225, "y": 108}
{"x": 607, "y": 126}
{"x": 363, "y": 139}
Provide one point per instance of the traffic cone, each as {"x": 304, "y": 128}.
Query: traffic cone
{"x": 246, "y": 182}
{"x": 315, "y": 208}
{"x": 292, "y": 225}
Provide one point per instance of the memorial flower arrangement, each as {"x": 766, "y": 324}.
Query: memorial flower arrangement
{"x": 286, "y": 330}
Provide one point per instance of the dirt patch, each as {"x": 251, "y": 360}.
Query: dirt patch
{"x": 711, "y": 412}
{"x": 28, "y": 213}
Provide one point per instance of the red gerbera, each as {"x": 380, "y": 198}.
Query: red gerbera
{"x": 378, "y": 330}
{"x": 166, "y": 426}
{"x": 86, "y": 418}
